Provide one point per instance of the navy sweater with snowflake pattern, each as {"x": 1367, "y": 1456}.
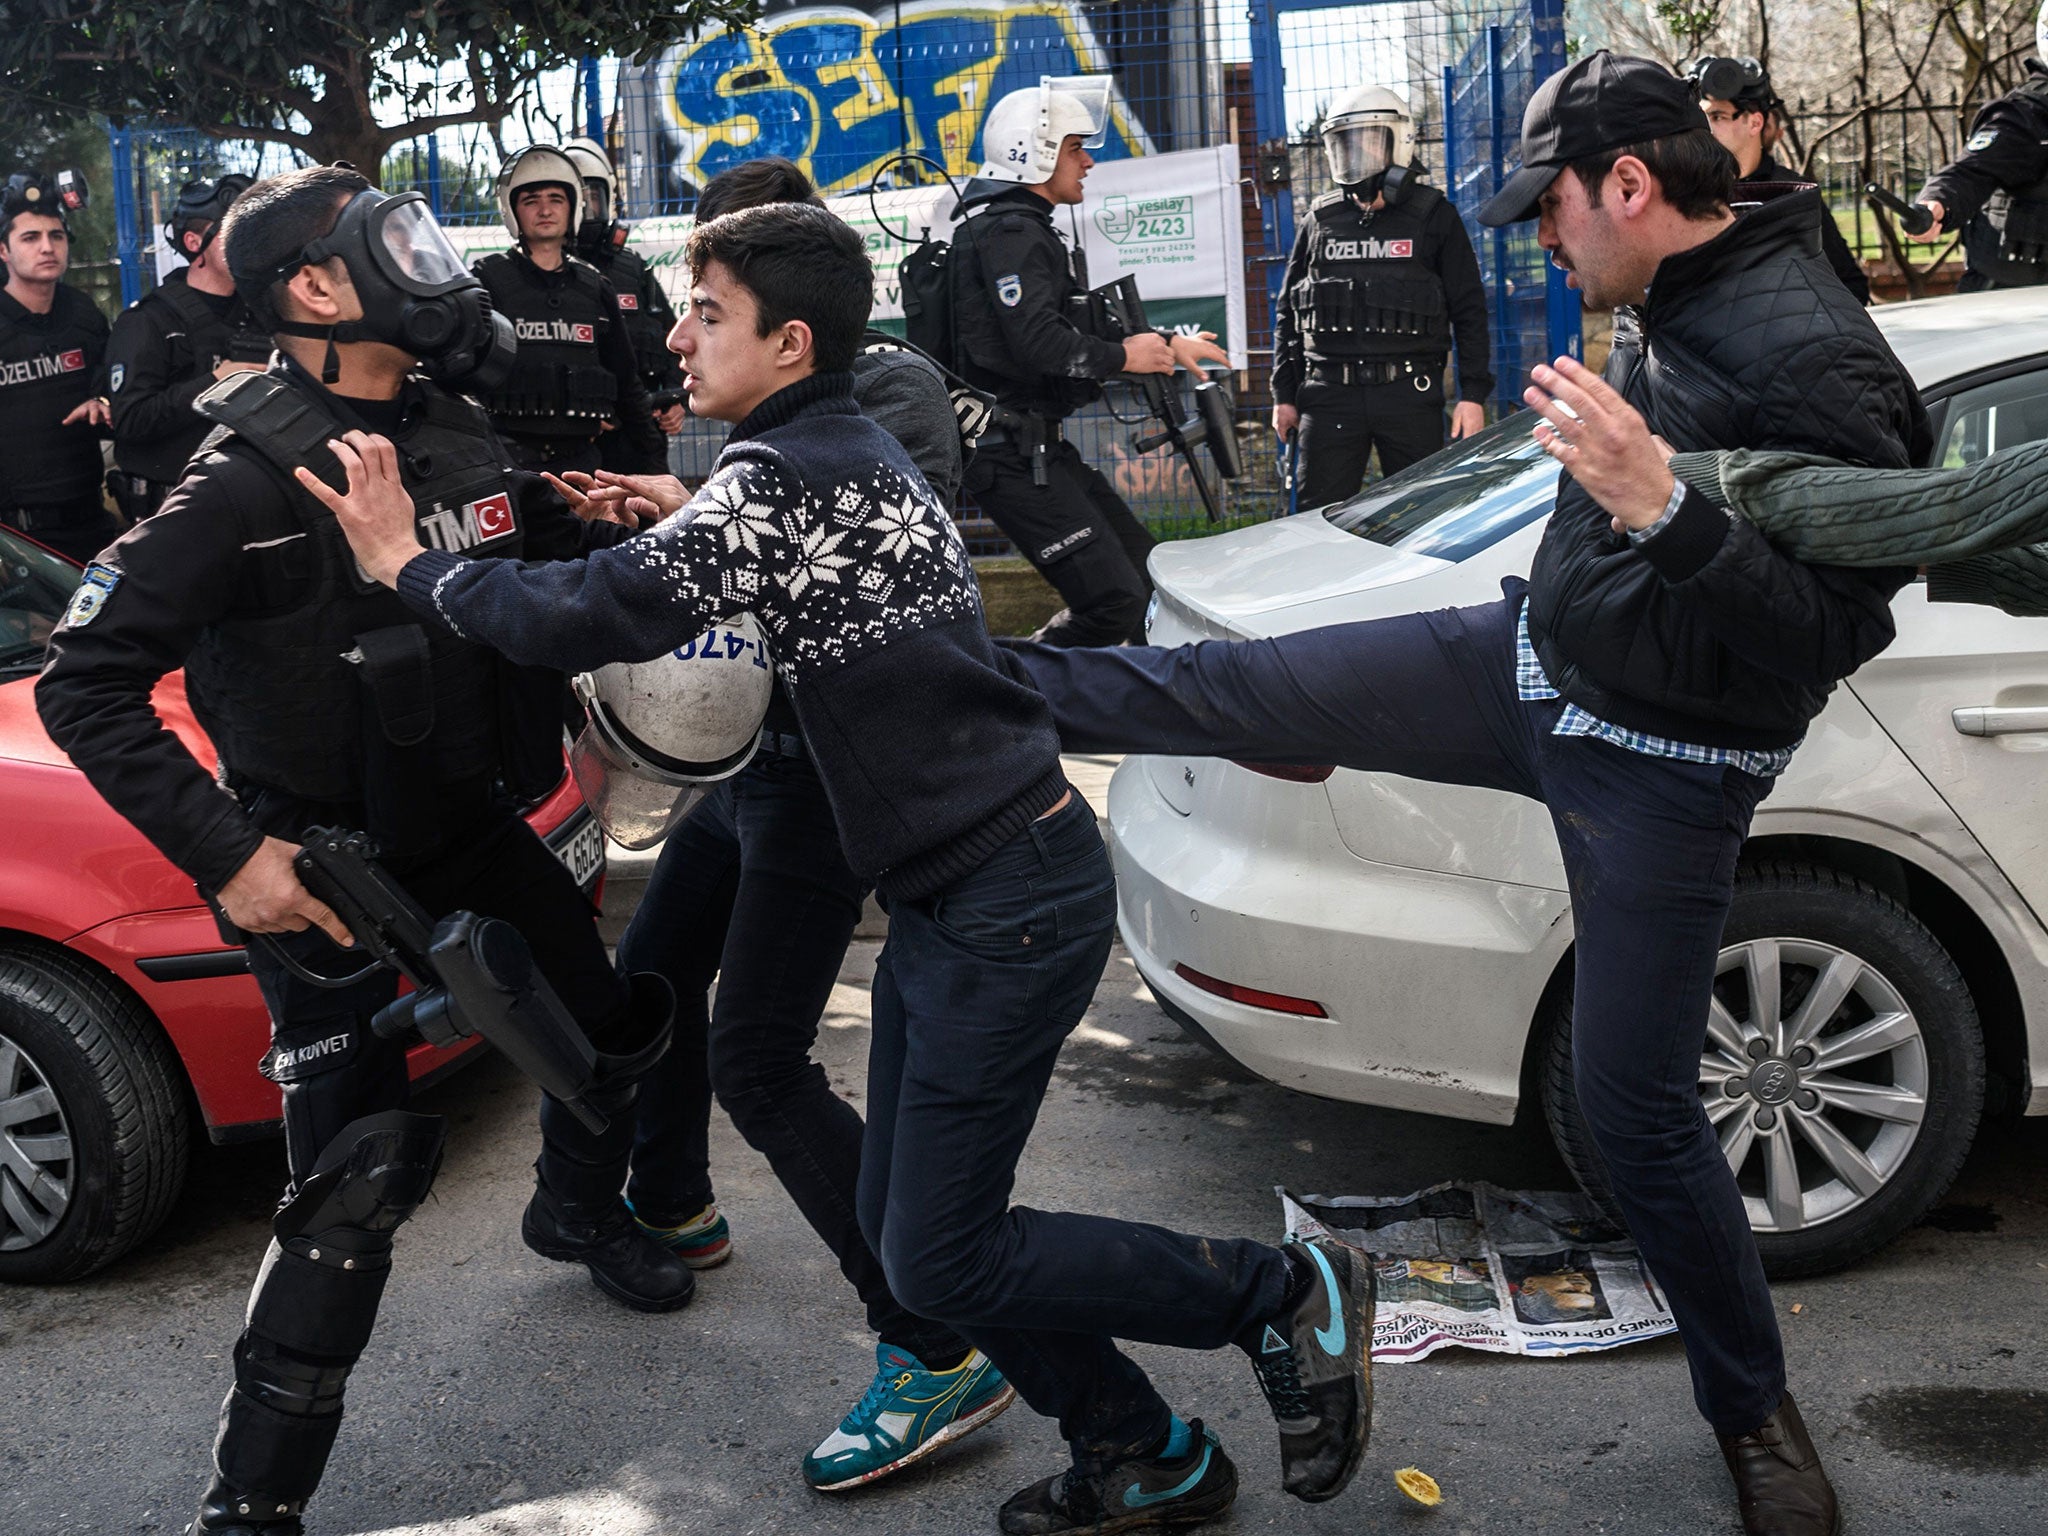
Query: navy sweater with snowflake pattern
{"x": 815, "y": 521}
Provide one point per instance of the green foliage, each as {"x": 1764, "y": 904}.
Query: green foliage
{"x": 1691, "y": 21}
{"x": 333, "y": 78}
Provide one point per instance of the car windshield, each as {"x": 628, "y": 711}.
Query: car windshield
{"x": 35, "y": 588}
{"x": 1455, "y": 503}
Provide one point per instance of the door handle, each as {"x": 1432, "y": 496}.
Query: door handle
{"x": 1986, "y": 720}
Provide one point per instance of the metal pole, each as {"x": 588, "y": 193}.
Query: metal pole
{"x": 593, "y": 98}
{"x": 434, "y": 173}
{"x": 127, "y": 233}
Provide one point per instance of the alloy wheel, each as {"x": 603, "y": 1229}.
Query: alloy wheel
{"x": 36, "y": 1159}
{"x": 1814, "y": 1076}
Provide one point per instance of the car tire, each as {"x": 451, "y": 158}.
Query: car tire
{"x": 1810, "y": 923}
{"x": 108, "y": 1151}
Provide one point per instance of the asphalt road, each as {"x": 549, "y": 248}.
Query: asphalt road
{"x": 504, "y": 1395}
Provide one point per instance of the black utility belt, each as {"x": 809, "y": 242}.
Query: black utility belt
{"x": 1373, "y": 371}
{"x": 53, "y": 519}
{"x": 777, "y": 744}
{"x": 1022, "y": 429}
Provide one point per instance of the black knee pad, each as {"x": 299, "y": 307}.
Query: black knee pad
{"x": 363, "y": 1186}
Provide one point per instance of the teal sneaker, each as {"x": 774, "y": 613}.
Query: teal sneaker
{"x": 906, "y": 1413}
{"x": 1193, "y": 1485}
{"x": 702, "y": 1242}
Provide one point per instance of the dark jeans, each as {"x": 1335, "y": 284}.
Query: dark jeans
{"x": 1342, "y": 424}
{"x": 1079, "y": 534}
{"x": 1649, "y": 848}
{"x": 752, "y": 890}
{"x": 499, "y": 868}
{"x": 975, "y": 991}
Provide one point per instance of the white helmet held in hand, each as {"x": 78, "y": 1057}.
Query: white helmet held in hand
{"x": 661, "y": 733}
{"x": 1022, "y": 134}
{"x": 2041, "y": 32}
{"x": 1368, "y": 132}
{"x": 538, "y": 165}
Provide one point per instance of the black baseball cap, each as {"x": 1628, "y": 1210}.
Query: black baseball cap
{"x": 1601, "y": 102}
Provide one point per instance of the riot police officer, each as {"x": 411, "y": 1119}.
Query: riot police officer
{"x": 172, "y": 345}
{"x": 330, "y": 705}
{"x": 1380, "y": 279}
{"x": 575, "y": 377}
{"x": 643, "y": 302}
{"x": 52, "y": 341}
{"x": 1013, "y": 287}
{"x": 1743, "y": 109}
{"x": 1996, "y": 192}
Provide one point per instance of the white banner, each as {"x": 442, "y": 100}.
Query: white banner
{"x": 1172, "y": 221}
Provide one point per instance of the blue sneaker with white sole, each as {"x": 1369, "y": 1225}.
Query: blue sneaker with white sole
{"x": 906, "y": 1413}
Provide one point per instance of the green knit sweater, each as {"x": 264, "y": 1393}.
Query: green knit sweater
{"x": 1983, "y": 528}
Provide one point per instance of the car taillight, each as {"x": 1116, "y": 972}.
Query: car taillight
{"x": 1278, "y": 1002}
{"x": 1293, "y": 773}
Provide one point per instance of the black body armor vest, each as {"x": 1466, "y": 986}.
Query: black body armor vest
{"x": 209, "y": 338}
{"x": 626, "y": 270}
{"x": 321, "y": 683}
{"x": 559, "y": 385}
{"x": 1365, "y": 292}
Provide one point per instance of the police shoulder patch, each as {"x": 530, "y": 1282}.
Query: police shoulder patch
{"x": 116, "y": 376}
{"x": 1982, "y": 139}
{"x": 94, "y": 588}
{"x": 1010, "y": 290}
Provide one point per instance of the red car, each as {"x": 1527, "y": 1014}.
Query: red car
{"x": 125, "y": 1023}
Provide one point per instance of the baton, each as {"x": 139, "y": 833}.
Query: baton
{"x": 1914, "y": 218}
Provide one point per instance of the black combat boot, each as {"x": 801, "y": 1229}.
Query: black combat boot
{"x": 226, "y": 1511}
{"x": 578, "y": 1212}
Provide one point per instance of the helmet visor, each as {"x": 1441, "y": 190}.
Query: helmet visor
{"x": 1078, "y": 104}
{"x": 1357, "y": 151}
{"x": 414, "y": 250}
{"x": 635, "y": 812}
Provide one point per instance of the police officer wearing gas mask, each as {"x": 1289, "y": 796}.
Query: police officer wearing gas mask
{"x": 331, "y": 706}
{"x": 643, "y": 303}
{"x": 52, "y": 341}
{"x": 1742, "y": 109}
{"x": 174, "y": 344}
{"x": 1380, "y": 279}
{"x": 1996, "y": 192}
{"x": 1013, "y": 290}
{"x": 575, "y": 377}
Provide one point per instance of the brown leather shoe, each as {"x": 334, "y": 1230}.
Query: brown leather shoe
{"x": 1778, "y": 1478}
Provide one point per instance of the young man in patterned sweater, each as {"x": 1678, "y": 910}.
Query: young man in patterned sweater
{"x": 945, "y": 780}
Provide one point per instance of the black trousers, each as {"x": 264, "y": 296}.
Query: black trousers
{"x": 80, "y": 529}
{"x": 1342, "y": 424}
{"x": 1079, "y": 534}
{"x": 753, "y": 890}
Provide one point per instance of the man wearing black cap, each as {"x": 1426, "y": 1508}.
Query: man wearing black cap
{"x": 1742, "y": 109}
{"x": 172, "y": 345}
{"x": 1647, "y": 683}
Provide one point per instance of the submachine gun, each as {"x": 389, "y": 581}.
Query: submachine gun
{"x": 471, "y": 975}
{"x": 1118, "y": 312}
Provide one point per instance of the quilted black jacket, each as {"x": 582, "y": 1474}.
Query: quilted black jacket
{"x": 1705, "y": 633}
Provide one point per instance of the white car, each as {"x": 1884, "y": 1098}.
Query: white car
{"x": 1374, "y": 938}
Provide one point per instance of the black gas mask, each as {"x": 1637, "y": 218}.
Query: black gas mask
{"x": 417, "y": 294}
{"x": 202, "y": 205}
{"x": 1740, "y": 81}
{"x": 60, "y": 195}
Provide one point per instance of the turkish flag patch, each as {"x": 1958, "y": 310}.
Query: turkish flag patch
{"x": 629, "y": 301}
{"x": 584, "y": 332}
{"x": 493, "y": 515}
{"x": 1401, "y": 248}
{"x": 72, "y": 361}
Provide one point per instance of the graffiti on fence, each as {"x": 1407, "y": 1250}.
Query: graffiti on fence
{"x": 840, "y": 91}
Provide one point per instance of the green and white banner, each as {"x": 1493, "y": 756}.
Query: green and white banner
{"x": 1173, "y": 221}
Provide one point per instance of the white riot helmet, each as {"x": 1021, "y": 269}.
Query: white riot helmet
{"x": 661, "y": 733}
{"x": 1367, "y": 133}
{"x": 600, "y": 181}
{"x": 1022, "y": 134}
{"x": 539, "y": 165}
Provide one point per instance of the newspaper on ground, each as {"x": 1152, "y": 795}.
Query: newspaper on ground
{"x": 1492, "y": 1269}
